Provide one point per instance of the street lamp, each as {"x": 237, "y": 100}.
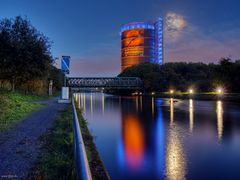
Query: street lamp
{"x": 191, "y": 91}
{"x": 219, "y": 90}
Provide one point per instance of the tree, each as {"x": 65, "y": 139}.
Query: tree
{"x": 24, "y": 52}
{"x": 182, "y": 75}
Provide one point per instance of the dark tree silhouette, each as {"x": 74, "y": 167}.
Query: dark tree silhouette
{"x": 24, "y": 51}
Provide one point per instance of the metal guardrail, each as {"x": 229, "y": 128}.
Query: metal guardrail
{"x": 82, "y": 166}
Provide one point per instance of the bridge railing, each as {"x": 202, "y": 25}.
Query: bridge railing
{"x": 82, "y": 166}
{"x": 116, "y": 82}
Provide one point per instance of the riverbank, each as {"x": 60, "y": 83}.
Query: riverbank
{"x": 97, "y": 167}
{"x": 56, "y": 160}
{"x": 20, "y": 145}
{"x": 231, "y": 97}
{"x": 15, "y": 106}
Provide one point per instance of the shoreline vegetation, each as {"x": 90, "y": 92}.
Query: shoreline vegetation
{"x": 183, "y": 76}
{"x": 230, "y": 97}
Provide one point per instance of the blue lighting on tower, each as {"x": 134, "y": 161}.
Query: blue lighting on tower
{"x": 142, "y": 42}
{"x": 159, "y": 41}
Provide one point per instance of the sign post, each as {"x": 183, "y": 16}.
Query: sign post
{"x": 65, "y": 62}
{"x": 50, "y": 88}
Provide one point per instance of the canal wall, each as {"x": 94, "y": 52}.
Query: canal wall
{"x": 97, "y": 168}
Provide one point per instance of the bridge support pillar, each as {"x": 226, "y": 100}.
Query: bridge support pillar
{"x": 64, "y": 95}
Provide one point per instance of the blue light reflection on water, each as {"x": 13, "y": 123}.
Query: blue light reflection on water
{"x": 160, "y": 160}
{"x": 120, "y": 153}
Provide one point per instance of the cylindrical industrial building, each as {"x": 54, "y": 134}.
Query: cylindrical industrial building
{"x": 138, "y": 43}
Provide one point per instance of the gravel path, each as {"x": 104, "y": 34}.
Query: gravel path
{"x": 20, "y": 145}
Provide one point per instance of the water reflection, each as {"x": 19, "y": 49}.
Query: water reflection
{"x": 91, "y": 103}
{"x": 153, "y": 106}
{"x": 160, "y": 140}
{"x": 191, "y": 117}
{"x": 219, "y": 119}
{"x": 141, "y": 103}
{"x": 148, "y": 137}
{"x": 175, "y": 158}
{"x": 136, "y": 99}
{"x": 133, "y": 139}
{"x": 103, "y": 103}
{"x": 171, "y": 111}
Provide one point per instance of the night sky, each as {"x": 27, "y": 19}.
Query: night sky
{"x": 88, "y": 30}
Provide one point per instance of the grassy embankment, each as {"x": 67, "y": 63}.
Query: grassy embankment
{"x": 57, "y": 158}
{"x": 14, "y": 107}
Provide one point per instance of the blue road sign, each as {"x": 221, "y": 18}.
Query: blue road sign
{"x": 65, "y": 62}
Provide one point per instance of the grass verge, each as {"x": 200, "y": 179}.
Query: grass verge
{"x": 97, "y": 168}
{"x": 57, "y": 159}
{"x": 14, "y": 107}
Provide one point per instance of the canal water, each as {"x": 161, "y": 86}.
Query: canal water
{"x": 155, "y": 138}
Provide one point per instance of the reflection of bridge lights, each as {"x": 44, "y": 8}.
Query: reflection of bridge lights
{"x": 219, "y": 119}
{"x": 191, "y": 118}
{"x": 103, "y": 103}
{"x": 84, "y": 103}
{"x": 78, "y": 101}
{"x": 133, "y": 141}
{"x": 91, "y": 102}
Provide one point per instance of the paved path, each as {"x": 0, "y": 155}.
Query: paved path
{"x": 20, "y": 145}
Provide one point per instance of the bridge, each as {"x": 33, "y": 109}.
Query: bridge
{"x": 105, "y": 82}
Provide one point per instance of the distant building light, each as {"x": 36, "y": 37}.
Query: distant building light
{"x": 171, "y": 91}
{"x": 153, "y": 93}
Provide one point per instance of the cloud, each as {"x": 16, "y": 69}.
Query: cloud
{"x": 199, "y": 47}
{"x": 174, "y": 26}
{"x": 185, "y": 41}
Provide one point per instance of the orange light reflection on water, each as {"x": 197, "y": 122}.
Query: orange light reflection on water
{"x": 133, "y": 141}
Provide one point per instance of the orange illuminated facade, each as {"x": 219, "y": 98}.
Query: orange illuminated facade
{"x": 137, "y": 47}
{"x": 141, "y": 42}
